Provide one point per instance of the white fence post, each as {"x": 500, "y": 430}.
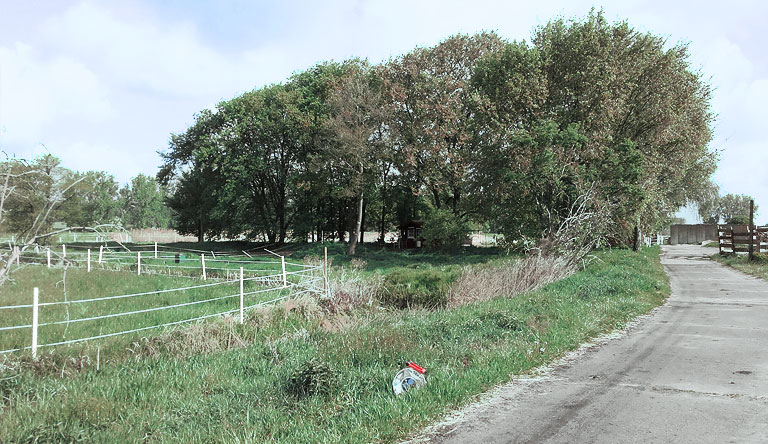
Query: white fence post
{"x": 138, "y": 262}
{"x": 285, "y": 278}
{"x": 101, "y": 252}
{"x": 89, "y": 260}
{"x": 48, "y": 254}
{"x": 155, "y": 250}
{"x": 64, "y": 250}
{"x": 18, "y": 256}
{"x": 202, "y": 261}
{"x": 242, "y": 308}
{"x": 35, "y": 303}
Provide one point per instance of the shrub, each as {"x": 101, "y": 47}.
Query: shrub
{"x": 444, "y": 230}
{"x": 418, "y": 287}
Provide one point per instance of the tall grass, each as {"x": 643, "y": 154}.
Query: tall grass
{"x": 507, "y": 278}
{"x": 294, "y": 381}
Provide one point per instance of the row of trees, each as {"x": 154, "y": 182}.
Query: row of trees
{"x": 474, "y": 131}
{"x": 40, "y": 192}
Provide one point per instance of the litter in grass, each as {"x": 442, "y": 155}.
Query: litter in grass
{"x": 408, "y": 378}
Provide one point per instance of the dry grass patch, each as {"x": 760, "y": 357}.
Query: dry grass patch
{"x": 507, "y": 279}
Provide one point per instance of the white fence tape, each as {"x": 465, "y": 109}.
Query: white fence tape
{"x": 306, "y": 286}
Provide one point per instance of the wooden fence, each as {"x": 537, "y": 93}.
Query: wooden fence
{"x": 738, "y": 238}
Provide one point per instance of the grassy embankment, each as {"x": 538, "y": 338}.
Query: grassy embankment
{"x": 757, "y": 267}
{"x": 291, "y": 378}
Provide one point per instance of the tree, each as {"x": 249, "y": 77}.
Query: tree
{"x": 629, "y": 115}
{"x": 30, "y": 191}
{"x": 734, "y": 208}
{"x": 620, "y": 84}
{"x": 357, "y": 133}
{"x": 143, "y": 204}
{"x": 93, "y": 201}
{"x": 432, "y": 120}
{"x": 708, "y": 203}
{"x": 30, "y": 188}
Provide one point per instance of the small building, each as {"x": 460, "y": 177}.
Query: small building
{"x": 410, "y": 234}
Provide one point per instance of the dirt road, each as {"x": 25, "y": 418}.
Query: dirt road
{"x": 695, "y": 371}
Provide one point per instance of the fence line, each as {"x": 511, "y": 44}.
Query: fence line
{"x": 127, "y": 261}
{"x": 278, "y": 282}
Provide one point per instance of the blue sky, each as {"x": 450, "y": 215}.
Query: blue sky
{"x": 103, "y": 84}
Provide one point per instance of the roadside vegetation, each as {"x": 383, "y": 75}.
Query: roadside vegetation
{"x": 311, "y": 371}
{"x": 757, "y": 267}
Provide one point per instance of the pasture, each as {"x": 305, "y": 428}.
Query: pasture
{"x": 118, "y": 294}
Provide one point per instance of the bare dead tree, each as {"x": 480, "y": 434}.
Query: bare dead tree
{"x": 12, "y": 172}
{"x": 585, "y": 227}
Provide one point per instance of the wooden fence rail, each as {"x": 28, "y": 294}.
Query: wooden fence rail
{"x": 737, "y": 239}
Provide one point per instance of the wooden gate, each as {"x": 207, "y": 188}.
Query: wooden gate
{"x": 737, "y": 238}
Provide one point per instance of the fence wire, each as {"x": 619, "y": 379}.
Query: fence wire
{"x": 306, "y": 285}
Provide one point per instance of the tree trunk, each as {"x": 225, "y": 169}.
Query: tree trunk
{"x": 200, "y": 231}
{"x": 353, "y": 238}
{"x": 382, "y": 222}
{"x": 342, "y": 223}
{"x": 636, "y": 243}
{"x": 362, "y": 225}
{"x": 436, "y": 195}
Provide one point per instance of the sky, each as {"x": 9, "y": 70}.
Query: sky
{"x": 102, "y": 85}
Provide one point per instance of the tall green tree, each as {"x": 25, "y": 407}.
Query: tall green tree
{"x": 734, "y": 208}
{"x": 33, "y": 190}
{"x": 621, "y": 84}
{"x": 432, "y": 120}
{"x": 143, "y": 204}
{"x": 92, "y": 201}
{"x": 357, "y": 136}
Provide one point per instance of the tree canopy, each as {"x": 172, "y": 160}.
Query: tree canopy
{"x": 39, "y": 192}
{"x": 475, "y": 131}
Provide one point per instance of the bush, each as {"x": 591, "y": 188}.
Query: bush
{"x": 418, "y": 287}
{"x": 443, "y": 230}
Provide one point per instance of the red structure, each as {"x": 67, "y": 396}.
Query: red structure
{"x": 410, "y": 234}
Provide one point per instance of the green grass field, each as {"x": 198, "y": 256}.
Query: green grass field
{"x": 289, "y": 378}
{"x": 148, "y": 294}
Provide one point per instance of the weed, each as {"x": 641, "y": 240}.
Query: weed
{"x": 284, "y": 384}
{"x": 350, "y": 289}
{"x": 313, "y": 377}
{"x": 757, "y": 267}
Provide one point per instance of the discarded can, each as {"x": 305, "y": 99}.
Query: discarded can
{"x": 410, "y": 377}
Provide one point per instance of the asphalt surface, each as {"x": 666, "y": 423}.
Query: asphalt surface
{"x": 694, "y": 371}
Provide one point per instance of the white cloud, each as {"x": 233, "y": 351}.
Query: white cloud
{"x": 103, "y": 90}
{"x": 169, "y": 58}
{"x": 38, "y": 96}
